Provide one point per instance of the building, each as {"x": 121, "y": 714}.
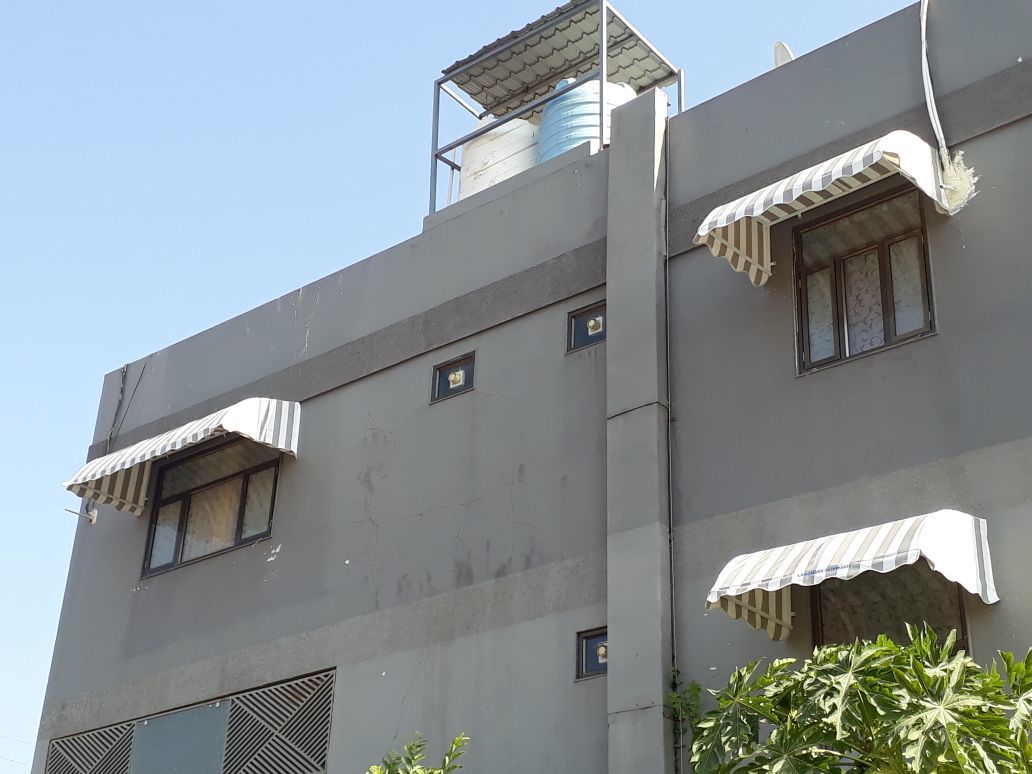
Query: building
{"x": 465, "y": 502}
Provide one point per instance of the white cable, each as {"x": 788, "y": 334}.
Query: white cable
{"x": 929, "y": 92}
{"x": 958, "y": 180}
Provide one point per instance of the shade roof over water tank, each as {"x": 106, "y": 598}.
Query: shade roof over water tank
{"x": 527, "y": 63}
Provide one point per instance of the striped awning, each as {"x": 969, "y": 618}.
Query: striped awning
{"x": 755, "y": 586}
{"x": 739, "y": 231}
{"x": 120, "y": 479}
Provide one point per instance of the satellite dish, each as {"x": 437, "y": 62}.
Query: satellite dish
{"x": 782, "y": 54}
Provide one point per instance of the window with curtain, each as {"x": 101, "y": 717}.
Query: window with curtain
{"x": 862, "y": 280}
{"x": 876, "y": 603}
{"x": 211, "y": 501}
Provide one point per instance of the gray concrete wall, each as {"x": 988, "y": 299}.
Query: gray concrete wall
{"x": 294, "y": 337}
{"x": 764, "y": 457}
{"x": 443, "y": 557}
{"x": 391, "y": 500}
{"x": 991, "y": 482}
{"x": 843, "y": 90}
{"x": 484, "y": 660}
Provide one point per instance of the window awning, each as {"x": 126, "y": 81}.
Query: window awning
{"x": 756, "y": 586}
{"x": 120, "y": 479}
{"x": 739, "y": 231}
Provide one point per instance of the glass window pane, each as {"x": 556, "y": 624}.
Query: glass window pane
{"x": 908, "y": 297}
{"x": 587, "y": 327}
{"x": 864, "y": 326}
{"x": 874, "y": 603}
{"x": 259, "y": 503}
{"x": 163, "y": 543}
{"x": 594, "y": 653}
{"x": 191, "y": 741}
{"x": 211, "y": 522}
{"x": 453, "y": 378}
{"x": 864, "y": 227}
{"x": 820, "y": 318}
{"x": 213, "y": 466}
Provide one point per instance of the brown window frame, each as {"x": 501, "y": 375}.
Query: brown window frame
{"x": 184, "y": 507}
{"x": 882, "y": 246}
{"x": 817, "y": 623}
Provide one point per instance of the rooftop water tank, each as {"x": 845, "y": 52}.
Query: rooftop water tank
{"x": 497, "y": 155}
{"x": 572, "y": 118}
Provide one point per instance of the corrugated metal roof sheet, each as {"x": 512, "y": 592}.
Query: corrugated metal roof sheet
{"x": 505, "y": 78}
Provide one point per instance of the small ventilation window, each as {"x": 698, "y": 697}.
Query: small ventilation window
{"x": 586, "y": 327}
{"x": 592, "y": 653}
{"x": 453, "y": 377}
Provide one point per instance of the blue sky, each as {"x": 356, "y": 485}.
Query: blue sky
{"x": 167, "y": 165}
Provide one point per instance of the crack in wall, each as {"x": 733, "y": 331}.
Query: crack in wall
{"x": 404, "y": 697}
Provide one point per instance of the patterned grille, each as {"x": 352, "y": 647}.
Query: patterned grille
{"x": 284, "y": 729}
{"x": 105, "y": 751}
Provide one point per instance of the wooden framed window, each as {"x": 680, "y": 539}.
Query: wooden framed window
{"x": 862, "y": 279}
{"x": 876, "y": 603}
{"x": 211, "y": 501}
{"x": 453, "y": 377}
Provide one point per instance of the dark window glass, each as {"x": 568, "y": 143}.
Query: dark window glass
{"x": 587, "y": 327}
{"x": 592, "y": 653}
{"x": 863, "y": 280}
{"x": 876, "y": 603}
{"x": 453, "y": 377}
{"x": 211, "y": 502}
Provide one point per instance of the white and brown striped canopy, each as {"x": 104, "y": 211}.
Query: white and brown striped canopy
{"x": 756, "y": 586}
{"x": 120, "y": 478}
{"x": 739, "y": 231}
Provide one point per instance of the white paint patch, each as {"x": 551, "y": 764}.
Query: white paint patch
{"x": 274, "y": 552}
{"x": 958, "y": 181}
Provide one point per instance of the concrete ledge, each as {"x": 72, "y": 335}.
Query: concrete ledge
{"x": 542, "y": 591}
{"x": 543, "y": 285}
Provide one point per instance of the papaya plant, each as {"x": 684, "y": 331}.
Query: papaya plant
{"x": 872, "y": 707}
{"x": 410, "y": 760}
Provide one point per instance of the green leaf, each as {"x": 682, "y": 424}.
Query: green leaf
{"x": 874, "y": 707}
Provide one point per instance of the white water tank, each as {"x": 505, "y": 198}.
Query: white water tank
{"x": 497, "y": 155}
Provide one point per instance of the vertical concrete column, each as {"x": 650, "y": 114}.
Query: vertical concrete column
{"x": 638, "y": 555}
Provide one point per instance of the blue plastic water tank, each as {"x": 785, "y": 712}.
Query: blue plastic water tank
{"x": 572, "y": 118}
